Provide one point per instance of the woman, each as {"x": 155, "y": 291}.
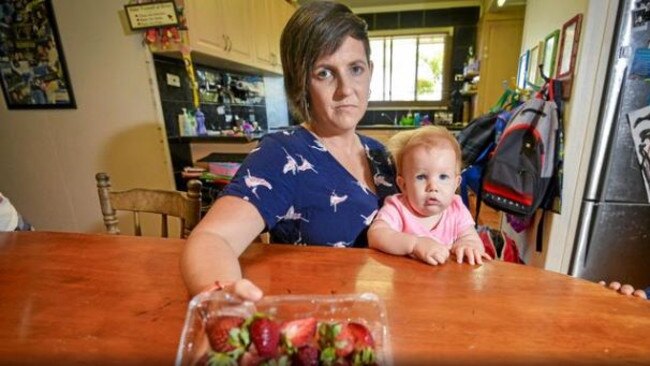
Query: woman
{"x": 318, "y": 185}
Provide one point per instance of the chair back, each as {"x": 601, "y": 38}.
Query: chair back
{"x": 184, "y": 205}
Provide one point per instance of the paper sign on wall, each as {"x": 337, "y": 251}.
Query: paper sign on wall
{"x": 151, "y": 15}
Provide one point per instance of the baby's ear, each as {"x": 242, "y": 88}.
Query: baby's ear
{"x": 400, "y": 183}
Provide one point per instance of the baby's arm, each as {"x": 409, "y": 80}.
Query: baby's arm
{"x": 469, "y": 245}
{"x": 382, "y": 237}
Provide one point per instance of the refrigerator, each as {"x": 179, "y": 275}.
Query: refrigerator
{"x": 613, "y": 235}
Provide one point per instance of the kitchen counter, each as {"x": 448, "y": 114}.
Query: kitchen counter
{"x": 219, "y": 138}
{"x": 231, "y": 148}
{"x": 454, "y": 127}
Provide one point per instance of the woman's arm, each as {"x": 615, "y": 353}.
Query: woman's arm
{"x": 382, "y": 237}
{"x": 211, "y": 252}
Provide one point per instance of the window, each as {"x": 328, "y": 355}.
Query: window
{"x": 409, "y": 67}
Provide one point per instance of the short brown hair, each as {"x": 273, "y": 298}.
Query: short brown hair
{"x": 428, "y": 136}
{"x": 316, "y": 29}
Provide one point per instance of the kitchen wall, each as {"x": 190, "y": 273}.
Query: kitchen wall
{"x": 48, "y": 158}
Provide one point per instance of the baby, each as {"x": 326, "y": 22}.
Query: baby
{"x": 427, "y": 220}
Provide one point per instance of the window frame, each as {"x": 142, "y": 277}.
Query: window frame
{"x": 448, "y": 34}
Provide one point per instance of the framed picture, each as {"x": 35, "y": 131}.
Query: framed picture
{"x": 522, "y": 70}
{"x": 32, "y": 67}
{"x": 568, "y": 52}
{"x": 534, "y": 79}
{"x": 550, "y": 53}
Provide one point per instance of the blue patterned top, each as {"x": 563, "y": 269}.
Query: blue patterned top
{"x": 305, "y": 196}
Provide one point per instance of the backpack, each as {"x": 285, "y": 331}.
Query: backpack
{"x": 523, "y": 172}
{"x": 477, "y": 136}
{"x": 477, "y": 142}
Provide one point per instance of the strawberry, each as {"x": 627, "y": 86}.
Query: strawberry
{"x": 265, "y": 335}
{"x": 362, "y": 336}
{"x": 306, "y": 356}
{"x": 298, "y": 333}
{"x": 218, "y": 332}
{"x": 251, "y": 358}
{"x": 344, "y": 342}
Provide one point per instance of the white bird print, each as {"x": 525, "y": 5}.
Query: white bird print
{"x": 291, "y": 165}
{"x": 253, "y": 183}
{"x": 368, "y": 220}
{"x": 340, "y": 244}
{"x": 305, "y": 165}
{"x": 335, "y": 200}
{"x": 381, "y": 180}
{"x": 254, "y": 150}
{"x": 292, "y": 215}
{"x": 288, "y": 133}
{"x": 299, "y": 241}
{"x": 365, "y": 147}
{"x": 319, "y": 146}
{"x": 363, "y": 186}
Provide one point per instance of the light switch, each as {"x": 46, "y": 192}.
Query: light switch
{"x": 173, "y": 80}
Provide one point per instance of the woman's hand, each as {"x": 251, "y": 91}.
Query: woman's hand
{"x": 626, "y": 289}
{"x": 245, "y": 289}
{"x": 430, "y": 251}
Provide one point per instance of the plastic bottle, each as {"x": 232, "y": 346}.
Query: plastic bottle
{"x": 181, "y": 123}
{"x": 200, "y": 123}
{"x": 189, "y": 128}
{"x": 408, "y": 121}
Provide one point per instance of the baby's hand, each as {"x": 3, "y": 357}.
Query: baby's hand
{"x": 625, "y": 289}
{"x": 474, "y": 255}
{"x": 431, "y": 252}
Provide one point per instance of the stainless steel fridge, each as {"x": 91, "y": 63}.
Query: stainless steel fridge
{"x": 613, "y": 237}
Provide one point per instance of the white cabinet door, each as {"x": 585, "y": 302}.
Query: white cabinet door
{"x": 205, "y": 25}
{"x": 237, "y": 22}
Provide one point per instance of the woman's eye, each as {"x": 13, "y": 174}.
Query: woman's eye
{"x": 357, "y": 70}
{"x": 324, "y": 74}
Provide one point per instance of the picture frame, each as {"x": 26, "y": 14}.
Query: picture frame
{"x": 550, "y": 53}
{"x": 534, "y": 78}
{"x": 33, "y": 71}
{"x": 568, "y": 52}
{"x": 522, "y": 70}
{"x": 151, "y": 15}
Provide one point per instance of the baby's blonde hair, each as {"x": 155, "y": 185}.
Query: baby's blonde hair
{"x": 428, "y": 136}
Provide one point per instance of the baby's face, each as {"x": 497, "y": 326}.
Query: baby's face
{"x": 428, "y": 179}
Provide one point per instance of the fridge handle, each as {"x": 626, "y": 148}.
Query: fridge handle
{"x": 608, "y": 118}
{"x": 581, "y": 248}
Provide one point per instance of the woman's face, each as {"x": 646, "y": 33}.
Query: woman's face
{"x": 339, "y": 87}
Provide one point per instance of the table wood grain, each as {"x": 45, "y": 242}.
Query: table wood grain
{"x": 97, "y": 299}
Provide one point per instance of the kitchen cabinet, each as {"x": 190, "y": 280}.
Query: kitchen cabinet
{"x": 499, "y": 46}
{"x": 269, "y": 19}
{"x": 216, "y": 28}
{"x": 244, "y": 32}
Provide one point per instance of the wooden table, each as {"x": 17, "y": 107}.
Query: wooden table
{"x": 98, "y": 299}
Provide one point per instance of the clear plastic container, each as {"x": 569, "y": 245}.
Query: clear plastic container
{"x": 366, "y": 308}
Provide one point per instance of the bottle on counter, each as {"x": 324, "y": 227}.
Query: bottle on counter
{"x": 200, "y": 123}
{"x": 189, "y": 123}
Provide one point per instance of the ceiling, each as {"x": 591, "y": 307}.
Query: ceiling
{"x": 379, "y": 6}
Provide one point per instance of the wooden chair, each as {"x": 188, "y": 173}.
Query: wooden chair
{"x": 184, "y": 205}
